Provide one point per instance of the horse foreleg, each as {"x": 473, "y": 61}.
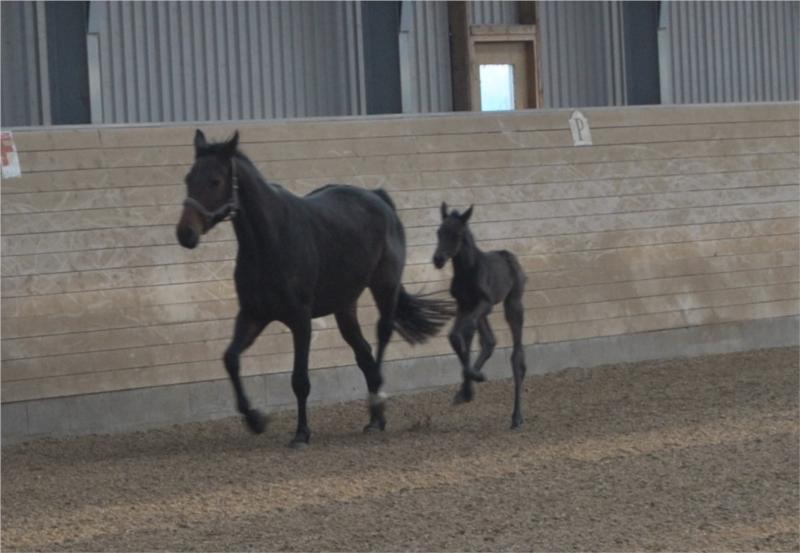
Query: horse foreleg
{"x": 245, "y": 331}
{"x": 301, "y": 332}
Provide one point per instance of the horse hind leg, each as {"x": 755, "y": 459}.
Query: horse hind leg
{"x": 385, "y": 295}
{"x": 514, "y": 311}
{"x": 301, "y": 385}
{"x": 347, "y": 320}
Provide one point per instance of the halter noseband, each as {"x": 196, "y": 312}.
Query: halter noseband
{"x": 226, "y": 211}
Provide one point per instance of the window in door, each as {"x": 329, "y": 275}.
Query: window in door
{"x": 497, "y": 87}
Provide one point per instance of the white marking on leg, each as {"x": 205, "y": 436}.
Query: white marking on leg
{"x": 376, "y": 399}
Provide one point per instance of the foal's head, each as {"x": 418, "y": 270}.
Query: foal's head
{"x": 211, "y": 191}
{"x": 451, "y": 235}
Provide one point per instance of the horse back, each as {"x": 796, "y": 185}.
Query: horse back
{"x": 353, "y": 229}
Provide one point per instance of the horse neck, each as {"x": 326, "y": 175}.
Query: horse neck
{"x": 262, "y": 211}
{"x": 468, "y": 253}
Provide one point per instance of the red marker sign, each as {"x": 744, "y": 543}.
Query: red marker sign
{"x": 9, "y": 156}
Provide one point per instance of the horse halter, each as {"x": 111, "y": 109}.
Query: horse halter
{"x": 226, "y": 211}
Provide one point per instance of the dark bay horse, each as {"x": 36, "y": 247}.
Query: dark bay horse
{"x": 305, "y": 257}
{"x": 481, "y": 280}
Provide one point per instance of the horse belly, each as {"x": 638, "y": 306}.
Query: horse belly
{"x": 339, "y": 288}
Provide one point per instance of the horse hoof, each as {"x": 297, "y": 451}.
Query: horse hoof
{"x": 516, "y": 423}
{"x": 256, "y": 421}
{"x": 300, "y": 440}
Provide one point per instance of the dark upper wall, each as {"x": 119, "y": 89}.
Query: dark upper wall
{"x": 66, "y": 57}
{"x": 21, "y": 65}
{"x": 381, "y": 23}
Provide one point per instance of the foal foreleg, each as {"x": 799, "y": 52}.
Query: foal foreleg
{"x": 461, "y": 341}
{"x": 488, "y": 343}
{"x": 245, "y": 332}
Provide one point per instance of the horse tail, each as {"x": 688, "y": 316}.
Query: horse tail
{"x": 418, "y": 317}
{"x": 384, "y": 195}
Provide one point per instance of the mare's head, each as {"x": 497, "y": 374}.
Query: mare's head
{"x": 451, "y": 234}
{"x": 211, "y": 189}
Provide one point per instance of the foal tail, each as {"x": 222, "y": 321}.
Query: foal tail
{"x": 418, "y": 317}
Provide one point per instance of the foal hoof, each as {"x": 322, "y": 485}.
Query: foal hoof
{"x": 477, "y": 376}
{"x": 256, "y": 421}
{"x": 375, "y": 426}
{"x": 462, "y": 397}
{"x": 516, "y": 422}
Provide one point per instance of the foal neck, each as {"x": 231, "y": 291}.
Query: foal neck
{"x": 467, "y": 256}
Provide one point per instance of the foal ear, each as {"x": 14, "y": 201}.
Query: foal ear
{"x": 232, "y": 144}
{"x": 443, "y": 209}
{"x": 199, "y": 140}
{"x": 466, "y": 215}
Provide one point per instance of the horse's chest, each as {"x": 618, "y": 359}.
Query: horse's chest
{"x": 264, "y": 293}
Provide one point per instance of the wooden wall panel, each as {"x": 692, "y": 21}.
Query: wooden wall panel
{"x": 677, "y": 216}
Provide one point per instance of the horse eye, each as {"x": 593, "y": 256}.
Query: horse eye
{"x": 216, "y": 183}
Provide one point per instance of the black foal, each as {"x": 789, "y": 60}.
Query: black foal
{"x": 480, "y": 281}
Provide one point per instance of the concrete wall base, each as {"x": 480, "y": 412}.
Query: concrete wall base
{"x": 145, "y": 408}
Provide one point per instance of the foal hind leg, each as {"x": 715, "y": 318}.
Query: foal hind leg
{"x": 515, "y": 317}
{"x": 246, "y": 330}
{"x": 351, "y": 332}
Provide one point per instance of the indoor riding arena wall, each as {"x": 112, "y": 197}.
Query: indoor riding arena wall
{"x": 675, "y": 233}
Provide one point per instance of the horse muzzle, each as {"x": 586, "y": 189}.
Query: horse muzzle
{"x": 187, "y": 236}
{"x": 189, "y": 229}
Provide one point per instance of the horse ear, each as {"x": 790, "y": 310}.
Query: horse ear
{"x": 199, "y": 140}
{"x": 232, "y": 144}
{"x": 443, "y": 209}
{"x": 466, "y": 215}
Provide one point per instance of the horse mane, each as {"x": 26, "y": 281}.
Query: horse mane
{"x": 219, "y": 149}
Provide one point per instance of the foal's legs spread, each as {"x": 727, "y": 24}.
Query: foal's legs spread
{"x": 347, "y": 320}
{"x": 246, "y": 330}
{"x": 514, "y": 315}
{"x": 461, "y": 341}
